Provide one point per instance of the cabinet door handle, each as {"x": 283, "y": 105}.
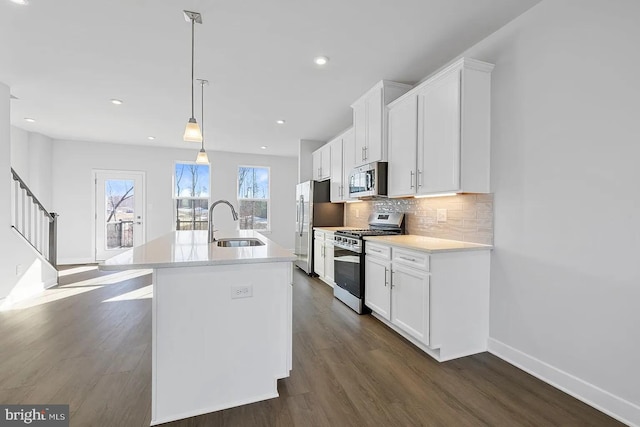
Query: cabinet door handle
{"x": 408, "y": 259}
{"x": 419, "y": 178}
{"x": 362, "y": 153}
{"x": 411, "y": 181}
{"x": 375, "y": 250}
{"x": 386, "y": 281}
{"x": 392, "y": 281}
{"x": 366, "y": 153}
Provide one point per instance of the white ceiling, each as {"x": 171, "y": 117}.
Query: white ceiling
{"x": 66, "y": 59}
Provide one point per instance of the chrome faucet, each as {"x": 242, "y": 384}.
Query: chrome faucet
{"x": 213, "y": 205}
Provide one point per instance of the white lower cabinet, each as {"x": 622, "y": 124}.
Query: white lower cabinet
{"x": 323, "y": 252}
{"x": 378, "y": 289}
{"x": 318, "y": 253}
{"x": 329, "y": 268}
{"x": 439, "y": 301}
{"x": 410, "y": 301}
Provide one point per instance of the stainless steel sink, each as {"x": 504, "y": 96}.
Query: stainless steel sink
{"x": 238, "y": 242}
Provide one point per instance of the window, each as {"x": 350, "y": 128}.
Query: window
{"x": 253, "y": 197}
{"x": 191, "y": 195}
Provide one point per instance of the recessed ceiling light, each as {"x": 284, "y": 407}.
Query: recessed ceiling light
{"x": 280, "y": 122}
{"x": 116, "y": 101}
{"x": 264, "y": 147}
{"x": 29, "y": 119}
{"x": 151, "y": 138}
{"x": 20, "y": 2}
{"x": 320, "y": 60}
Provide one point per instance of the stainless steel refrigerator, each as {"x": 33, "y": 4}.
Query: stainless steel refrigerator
{"x": 313, "y": 209}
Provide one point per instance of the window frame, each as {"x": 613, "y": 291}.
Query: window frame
{"x": 176, "y": 199}
{"x": 268, "y": 199}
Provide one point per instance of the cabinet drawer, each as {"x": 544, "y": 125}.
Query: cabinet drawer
{"x": 380, "y": 251}
{"x": 318, "y": 234}
{"x": 411, "y": 258}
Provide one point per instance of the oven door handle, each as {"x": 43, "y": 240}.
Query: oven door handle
{"x": 341, "y": 246}
{"x": 345, "y": 247}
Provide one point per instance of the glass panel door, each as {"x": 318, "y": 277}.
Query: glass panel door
{"x": 119, "y": 212}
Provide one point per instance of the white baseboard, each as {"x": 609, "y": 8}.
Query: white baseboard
{"x": 8, "y": 301}
{"x": 602, "y": 400}
{"x": 75, "y": 261}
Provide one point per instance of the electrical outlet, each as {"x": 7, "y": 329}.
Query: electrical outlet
{"x": 241, "y": 291}
{"x": 441, "y": 215}
{"x": 357, "y": 213}
{"x": 19, "y": 270}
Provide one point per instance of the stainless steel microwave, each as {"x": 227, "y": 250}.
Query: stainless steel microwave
{"x": 369, "y": 180}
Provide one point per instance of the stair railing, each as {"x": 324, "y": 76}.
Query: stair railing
{"x": 31, "y": 219}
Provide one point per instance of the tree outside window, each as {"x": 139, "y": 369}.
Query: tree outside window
{"x": 253, "y": 197}
{"x": 191, "y": 195}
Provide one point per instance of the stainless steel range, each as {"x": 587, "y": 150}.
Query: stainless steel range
{"x": 349, "y": 257}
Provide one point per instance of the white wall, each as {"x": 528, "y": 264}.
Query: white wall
{"x": 20, "y": 152}
{"x": 565, "y": 285}
{"x": 73, "y": 163}
{"x": 40, "y": 168}
{"x": 31, "y": 159}
{"x": 22, "y": 271}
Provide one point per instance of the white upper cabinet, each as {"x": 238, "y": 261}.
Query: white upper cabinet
{"x": 439, "y": 135}
{"x": 447, "y": 118}
{"x": 348, "y": 160}
{"x": 316, "y": 160}
{"x": 342, "y": 155}
{"x": 359, "y": 131}
{"x": 336, "y": 169}
{"x": 403, "y": 128}
{"x": 370, "y": 121}
{"x": 321, "y": 161}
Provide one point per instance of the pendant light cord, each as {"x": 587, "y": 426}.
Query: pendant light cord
{"x": 202, "y": 127}
{"x": 193, "y": 29}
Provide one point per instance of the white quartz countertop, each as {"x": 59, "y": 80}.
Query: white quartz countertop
{"x": 427, "y": 244}
{"x": 334, "y": 229}
{"x": 190, "y": 248}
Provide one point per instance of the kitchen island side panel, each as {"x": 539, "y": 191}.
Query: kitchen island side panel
{"x": 213, "y": 351}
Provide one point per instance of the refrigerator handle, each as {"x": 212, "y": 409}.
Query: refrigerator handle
{"x": 301, "y": 214}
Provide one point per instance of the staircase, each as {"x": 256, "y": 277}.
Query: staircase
{"x": 32, "y": 221}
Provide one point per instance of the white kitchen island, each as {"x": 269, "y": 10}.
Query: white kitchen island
{"x": 221, "y": 321}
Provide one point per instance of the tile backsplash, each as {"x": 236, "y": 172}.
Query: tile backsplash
{"x": 469, "y": 216}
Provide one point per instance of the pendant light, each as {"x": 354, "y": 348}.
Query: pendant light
{"x": 202, "y": 155}
{"x": 192, "y": 130}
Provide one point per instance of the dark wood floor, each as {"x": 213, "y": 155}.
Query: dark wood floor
{"x": 87, "y": 343}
